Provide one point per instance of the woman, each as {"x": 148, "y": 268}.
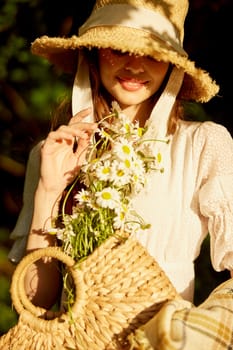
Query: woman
{"x": 135, "y": 57}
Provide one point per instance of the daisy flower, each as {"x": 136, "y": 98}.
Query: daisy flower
{"x": 103, "y": 171}
{"x": 121, "y": 173}
{"x": 83, "y": 197}
{"x": 108, "y": 198}
{"x": 123, "y": 149}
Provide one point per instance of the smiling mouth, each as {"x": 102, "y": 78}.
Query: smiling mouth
{"x": 132, "y": 84}
{"x": 133, "y": 80}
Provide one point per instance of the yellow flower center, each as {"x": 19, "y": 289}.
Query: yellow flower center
{"x": 127, "y": 127}
{"x": 126, "y": 149}
{"x": 106, "y": 195}
{"x": 106, "y": 170}
{"x": 140, "y": 132}
{"x": 159, "y": 157}
{"x": 120, "y": 173}
{"x": 127, "y": 163}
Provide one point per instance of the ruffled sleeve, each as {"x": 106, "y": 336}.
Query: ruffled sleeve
{"x": 216, "y": 193}
{"x": 21, "y": 230}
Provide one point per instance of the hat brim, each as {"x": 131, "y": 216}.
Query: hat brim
{"x": 197, "y": 86}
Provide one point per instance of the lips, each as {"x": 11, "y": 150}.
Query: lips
{"x": 132, "y": 84}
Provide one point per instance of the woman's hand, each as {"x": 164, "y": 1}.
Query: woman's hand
{"x": 60, "y": 160}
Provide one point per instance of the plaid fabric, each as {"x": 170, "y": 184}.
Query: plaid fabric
{"x": 181, "y": 326}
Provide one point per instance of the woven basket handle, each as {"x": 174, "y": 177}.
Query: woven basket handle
{"x": 19, "y": 298}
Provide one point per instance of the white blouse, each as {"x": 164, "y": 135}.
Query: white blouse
{"x": 192, "y": 197}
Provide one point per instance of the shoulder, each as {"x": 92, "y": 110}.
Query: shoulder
{"x": 210, "y": 128}
{"x": 205, "y": 132}
{"x": 203, "y": 127}
{"x": 211, "y": 144}
{"x": 33, "y": 164}
{"x": 35, "y": 153}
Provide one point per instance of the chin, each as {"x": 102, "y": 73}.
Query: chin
{"x": 127, "y": 102}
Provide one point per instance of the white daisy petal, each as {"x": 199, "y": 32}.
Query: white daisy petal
{"x": 107, "y": 198}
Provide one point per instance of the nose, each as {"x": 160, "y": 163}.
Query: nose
{"x": 134, "y": 64}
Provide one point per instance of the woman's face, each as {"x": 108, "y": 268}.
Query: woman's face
{"x": 130, "y": 79}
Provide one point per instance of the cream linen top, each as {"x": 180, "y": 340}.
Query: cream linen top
{"x": 192, "y": 197}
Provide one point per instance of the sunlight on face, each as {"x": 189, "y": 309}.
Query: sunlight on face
{"x": 130, "y": 79}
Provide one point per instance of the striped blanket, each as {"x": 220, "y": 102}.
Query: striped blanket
{"x": 179, "y": 325}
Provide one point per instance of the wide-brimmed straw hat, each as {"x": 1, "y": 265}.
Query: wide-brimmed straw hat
{"x": 153, "y": 28}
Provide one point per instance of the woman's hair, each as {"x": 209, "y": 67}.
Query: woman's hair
{"x": 62, "y": 113}
{"x": 102, "y": 100}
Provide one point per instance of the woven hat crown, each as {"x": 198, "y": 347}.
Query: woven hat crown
{"x": 173, "y": 10}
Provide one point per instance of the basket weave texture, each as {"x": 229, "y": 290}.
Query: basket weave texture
{"x": 118, "y": 288}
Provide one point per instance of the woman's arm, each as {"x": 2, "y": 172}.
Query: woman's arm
{"x": 43, "y": 278}
{"x": 60, "y": 164}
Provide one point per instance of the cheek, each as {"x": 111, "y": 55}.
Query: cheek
{"x": 159, "y": 71}
{"x": 163, "y": 68}
{"x": 107, "y": 59}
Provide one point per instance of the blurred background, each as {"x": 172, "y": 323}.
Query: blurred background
{"x": 30, "y": 89}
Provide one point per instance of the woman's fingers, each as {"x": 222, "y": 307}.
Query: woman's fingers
{"x": 67, "y": 133}
{"x": 80, "y": 116}
{"x": 77, "y": 129}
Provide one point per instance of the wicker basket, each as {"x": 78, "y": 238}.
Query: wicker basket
{"x": 117, "y": 289}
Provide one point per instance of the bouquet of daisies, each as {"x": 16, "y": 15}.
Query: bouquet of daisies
{"x": 117, "y": 163}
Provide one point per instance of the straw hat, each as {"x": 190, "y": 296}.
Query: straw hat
{"x": 145, "y": 27}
